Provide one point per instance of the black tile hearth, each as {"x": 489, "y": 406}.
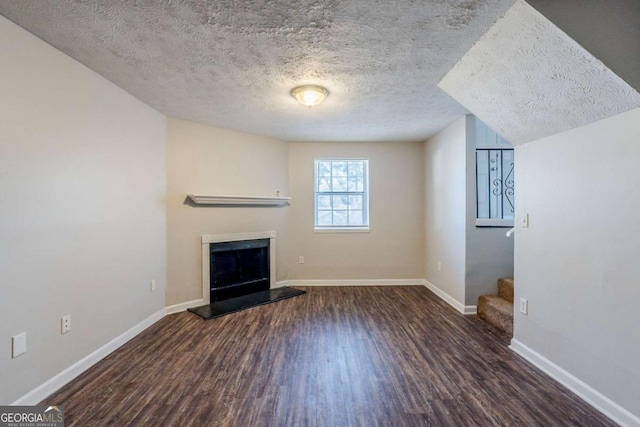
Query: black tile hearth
{"x": 232, "y": 305}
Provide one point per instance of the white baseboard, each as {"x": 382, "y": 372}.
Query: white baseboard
{"x": 464, "y": 309}
{"x": 52, "y": 385}
{"x": 183, "y": 306}
{"x": 593, "y": 397}
{"x": 352, "y": 282}
{"x": 470, "y": 309}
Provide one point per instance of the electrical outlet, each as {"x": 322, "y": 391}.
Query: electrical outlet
{"x": 18, "y": 344}
{"x": 524, "y": 306}
{"x": 65, "y": 324}
{"x": 153, "y": 285}
{"x": 301, "y": 260}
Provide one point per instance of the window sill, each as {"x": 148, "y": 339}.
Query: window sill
{"x": 342, "y": 230}
{"x": 488, "y": 222}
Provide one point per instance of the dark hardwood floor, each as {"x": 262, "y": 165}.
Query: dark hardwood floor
{"x": 351, "y": 356}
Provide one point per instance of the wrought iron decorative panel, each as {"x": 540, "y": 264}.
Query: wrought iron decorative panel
{"x": 495, "y": 184}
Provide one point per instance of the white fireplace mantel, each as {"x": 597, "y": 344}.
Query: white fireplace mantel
{"x": 207, "y": 239}
{"x": 216, "y": 200}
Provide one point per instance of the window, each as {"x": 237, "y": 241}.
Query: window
{"x": 494, "y": 187}
{"x": 341, "y": 194}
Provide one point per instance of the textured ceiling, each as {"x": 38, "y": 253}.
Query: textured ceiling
{"x": 527, "y": 79}
{"x": 232, "y": 64}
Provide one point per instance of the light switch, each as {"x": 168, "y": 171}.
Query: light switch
{"x": 524, "y": 220}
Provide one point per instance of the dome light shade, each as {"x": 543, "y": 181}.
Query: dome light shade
{"x": 309, "y": 95}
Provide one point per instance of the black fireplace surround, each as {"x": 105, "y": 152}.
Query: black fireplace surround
{"x": 238, "y": 268}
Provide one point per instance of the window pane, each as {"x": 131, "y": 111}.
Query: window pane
{"x": 324, "y": 218}
{"x": 340, "y": 202}
{"x": 340, "y": 218}
{"x": 353, "y": 184}
{"x": 360, "y": 184}
{"x": 356, "y": 168}
{"x": 339, "y": 184}
{"x": 355, "y": 217}
{"x": 355, "y": 202}
{"x": 339, "y": 169}
{"x": 324, "y": 185}
{"x": 324, "y": 202}
{"x": 324, "y": 168}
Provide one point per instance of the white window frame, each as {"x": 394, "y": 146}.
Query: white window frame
{"x": 365, "y": 201}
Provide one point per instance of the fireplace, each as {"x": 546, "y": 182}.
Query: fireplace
{"x": 238, "y": 268}
{"x": 234, "y": 265}
{"x": 238, "y": 272}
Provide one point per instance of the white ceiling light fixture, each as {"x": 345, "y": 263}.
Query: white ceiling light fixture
{"x": 309, "y": 95}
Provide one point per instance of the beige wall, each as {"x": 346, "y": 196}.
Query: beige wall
{"x": 577, "y": 263}
{"x": 393, "y": 249}
{"x": 82, "y": 219}
{"x": 445, "y": 209}
{"x": 205, "y": 160}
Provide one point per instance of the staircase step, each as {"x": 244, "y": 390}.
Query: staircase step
{"x": 505, "y": 289}
{"x": 497, "y": 311}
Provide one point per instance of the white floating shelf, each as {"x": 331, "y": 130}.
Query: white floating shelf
{"x": 204, "y": 199}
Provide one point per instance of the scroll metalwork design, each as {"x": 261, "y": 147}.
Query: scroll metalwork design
{"x": 495, "y": 184}
{"x": 509, "y": 189}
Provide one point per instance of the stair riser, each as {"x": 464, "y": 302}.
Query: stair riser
{"x": 505, "y": 289}
{"x": 498, "y": 319}
{"x": 498, "y": 310}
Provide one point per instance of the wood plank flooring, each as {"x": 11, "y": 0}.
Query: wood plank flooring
{"x": 351, "y": 356}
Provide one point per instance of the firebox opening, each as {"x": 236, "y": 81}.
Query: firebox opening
{"x": 238, "y": 268}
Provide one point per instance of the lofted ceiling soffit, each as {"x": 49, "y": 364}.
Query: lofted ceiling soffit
{"x": 527, "y": 79}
